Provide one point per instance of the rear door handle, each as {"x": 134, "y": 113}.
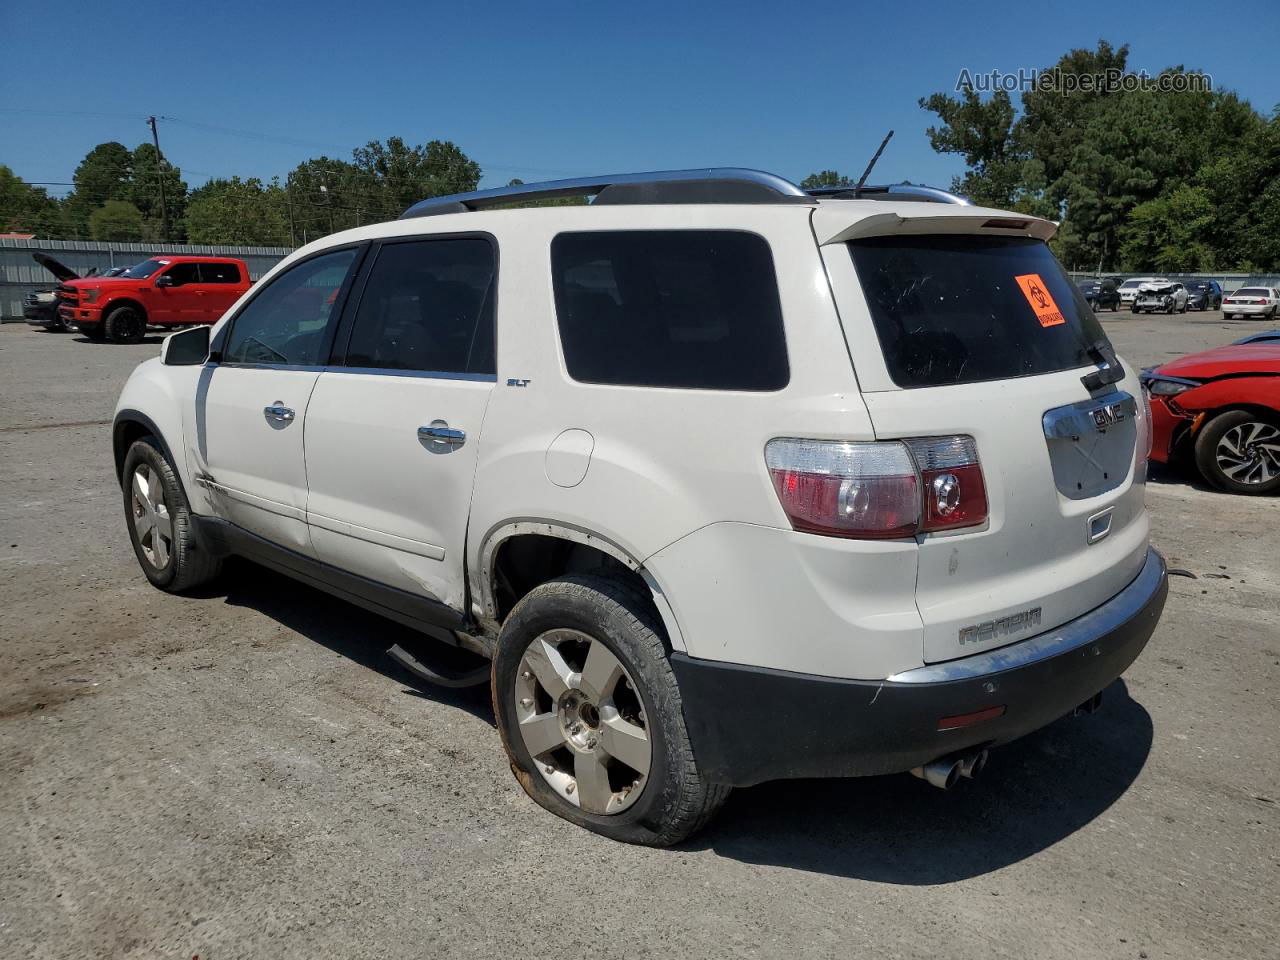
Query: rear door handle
{"x": 441, "y": 432}
{"x": 278, "y": 412}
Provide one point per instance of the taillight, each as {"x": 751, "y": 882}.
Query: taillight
{"x": 869, "y": 491}
{"x": 954, "y": 493}
{"x": 879, "y": 490}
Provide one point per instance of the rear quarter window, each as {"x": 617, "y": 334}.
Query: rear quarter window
{"x": 692, "y": 309}
{"x": 953, "y": 309}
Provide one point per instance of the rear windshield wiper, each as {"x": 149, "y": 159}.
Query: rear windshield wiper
{"x": 1110, "y": 370}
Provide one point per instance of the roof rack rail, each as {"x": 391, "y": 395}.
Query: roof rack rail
{"x": 708, "y": 185}
{"x": 890, "y": 191}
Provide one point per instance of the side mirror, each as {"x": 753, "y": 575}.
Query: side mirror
{"x": 165, "y": 280}
{"x": 189, "y": 348}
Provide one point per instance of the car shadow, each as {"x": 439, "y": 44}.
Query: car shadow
{"x": 81, "y": 338}
{"x": 342, "y": 627}
{"x": 1034, "y": 793}
{"x": 1178, "y": 474}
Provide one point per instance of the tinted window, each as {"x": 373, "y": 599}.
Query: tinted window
{"x": 286, "y": 321}
{"x": 959, "y": 309}
{"x": 695, "y": 309}
{"x": 140, "y": 271}
{"x": 427, "y": 305}
{"x": 219, "y": 273}
{"x": 181, "y": 273}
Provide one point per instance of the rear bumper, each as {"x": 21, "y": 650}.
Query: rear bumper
{"x": 1249, "y": 309}
{"x": 750, "y": 724}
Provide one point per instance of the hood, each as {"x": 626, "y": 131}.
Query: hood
{"x": 1237, "y": 358}
{"x": 1158, "y": 287}
{"x": 53, "y": 266}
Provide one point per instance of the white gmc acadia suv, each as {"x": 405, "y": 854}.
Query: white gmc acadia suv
{"x": 724, "y": 480}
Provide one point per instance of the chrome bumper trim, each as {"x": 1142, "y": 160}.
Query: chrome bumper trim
{"x": 1073, "y": 634}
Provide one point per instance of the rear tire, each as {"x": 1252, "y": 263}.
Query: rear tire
{"x": 125, "y": 325}
{"x": 559, "y": 720}
{"x": 1239, "y": 451}
{"x": 159, "y": 521}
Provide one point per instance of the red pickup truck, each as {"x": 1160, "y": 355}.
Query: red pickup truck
{"x": 165, "y": 291}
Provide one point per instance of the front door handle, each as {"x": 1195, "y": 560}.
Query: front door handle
{"x": 278, "y": 412}
{"x": 441, "y": 432}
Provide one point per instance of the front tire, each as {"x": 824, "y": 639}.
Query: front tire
{"x": 1239, "y": 451}
{"x": 159, "y": 520}
{"x": 125, "y": 325}
{"x": 591, "y": 717}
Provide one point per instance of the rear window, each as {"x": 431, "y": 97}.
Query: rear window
{"x": 1252, "y": 292}
{"x": 220, "y": 273}
{"x": 693, "y": 309}
{"x": 962, "y": 308}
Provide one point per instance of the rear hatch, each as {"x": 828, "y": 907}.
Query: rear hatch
{"x": 984, "y": 335}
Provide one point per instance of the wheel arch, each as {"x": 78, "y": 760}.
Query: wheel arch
{"x": 488, "y": 572}
{"x": 130, "y": 426}
{"x": 123, "y": 302}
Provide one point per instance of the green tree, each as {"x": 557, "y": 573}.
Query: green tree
{"x": 981, "y": 132}
{"x": 827, "y": 178}
{"x": 238, "y": 211}
{"x": 24, "y": 208}
{"x": 144, "y": 191}
{"x": 1093, "y": 157}
{"x": 116, "y": 220}
{"x": 105, "y": 173}
{"x": 1171, "y": 233}
{"x": 400, "y": 175}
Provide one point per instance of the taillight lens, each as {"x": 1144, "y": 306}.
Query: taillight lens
{"x": 878, "y": 491}
{"x": 954, "y": 492}
{"x": 868, "y": 491}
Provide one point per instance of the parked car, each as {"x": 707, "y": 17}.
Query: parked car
{"x": 1101, "y": 294}
{"x": 1163, "y": 296}
{"x": 40, "y": 307}
{"x": 1220, "y": 410}
{"x": 1203, "y": 294}
{"x": 1270, "y": 336}
{"x": 620, "y": 450}
{"x": 1248, "y": 302}
{"x": 1129, "y": 288}
{"x": 168, "y": 291}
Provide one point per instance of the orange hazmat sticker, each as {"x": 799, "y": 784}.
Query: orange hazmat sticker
{"x": 1037, "y": 295}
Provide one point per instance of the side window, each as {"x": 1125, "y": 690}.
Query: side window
{"x": 182, "y": 273}
{"x": 286, "y": 321}
{"x": 694, "y": 309}
{"x": 219, "y": 273}
{"x": 427, "y": 305}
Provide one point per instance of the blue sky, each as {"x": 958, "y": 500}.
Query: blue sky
{"x": 559, "y": 89}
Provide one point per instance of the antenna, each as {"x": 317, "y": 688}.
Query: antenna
{"x": 857, "y": 191}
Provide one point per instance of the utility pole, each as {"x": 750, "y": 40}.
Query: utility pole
{"x": 293, "y": 233}
{"x": 164, "y": 210}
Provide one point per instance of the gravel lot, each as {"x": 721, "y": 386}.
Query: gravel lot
{"x": 243, "y": 773}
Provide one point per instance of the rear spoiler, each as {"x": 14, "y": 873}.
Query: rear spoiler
{"x": 832, "y": 222}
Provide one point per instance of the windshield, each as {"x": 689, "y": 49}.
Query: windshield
{"x": 140, "y": 271}
{"x": 1131, "y": 284}
{"x": 965, "y": 308}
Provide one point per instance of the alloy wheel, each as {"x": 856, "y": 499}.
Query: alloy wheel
{"x": 152, "y": 524}
{"x": 1250, "y": 452}
{"x": 582, "y": 721}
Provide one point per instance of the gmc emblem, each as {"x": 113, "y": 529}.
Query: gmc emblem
{"x": 1107, "y": 415}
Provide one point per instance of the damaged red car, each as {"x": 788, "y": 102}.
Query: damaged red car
{"x": 1220, "y": 410}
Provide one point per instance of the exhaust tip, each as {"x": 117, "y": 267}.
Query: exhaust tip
{"x": 945, "y": 772}
{"x": 972, "y": 765}
{"x": 942, "y": 774}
